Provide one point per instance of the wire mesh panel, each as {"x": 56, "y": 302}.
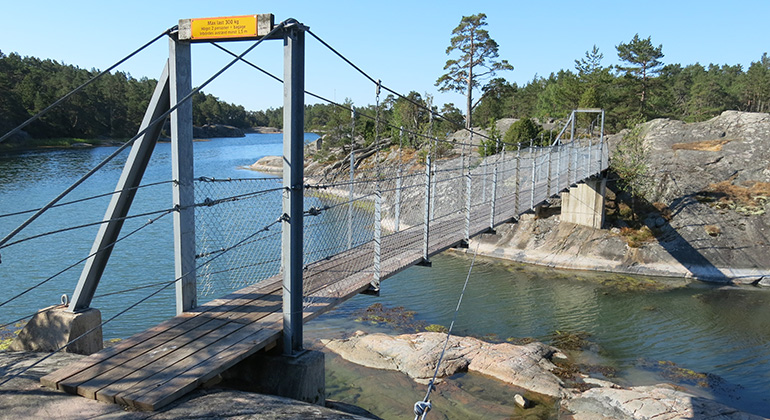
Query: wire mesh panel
{"x": 382, "y": 216}
{"x": 238, "y": 237}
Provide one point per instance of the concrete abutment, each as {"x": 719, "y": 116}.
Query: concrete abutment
{"x": 583, "y": 204}
{"x": 300, "y": 377}
{"x": 53, "y": 327}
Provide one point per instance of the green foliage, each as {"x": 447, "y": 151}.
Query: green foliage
{"x": 477, "y": 60}
{"x": 491, "y": 145}
{"x": 112, "y": 106}
{"x": 496, "y": 100}
{"x": 629, "y": 160}
{"x": 521, "y": 132}
{"x": 643, "y": 63}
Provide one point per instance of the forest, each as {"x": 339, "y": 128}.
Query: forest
{"x": 113, "y": 106}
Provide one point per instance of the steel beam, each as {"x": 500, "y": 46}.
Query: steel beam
{"x": 293, "y": 178}
{"x": 125, "y": 190}
{"x": 180, "y": 73}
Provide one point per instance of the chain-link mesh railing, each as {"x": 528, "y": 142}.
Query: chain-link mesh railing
{"x": 383, "y": 216}
{"x": 231, "y": 220}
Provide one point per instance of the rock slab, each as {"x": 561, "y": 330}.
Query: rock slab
{"x": 528, "y": 366}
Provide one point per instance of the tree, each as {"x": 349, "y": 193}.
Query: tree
{"x": 521, "y": 132}
{"x": 643, "y": 59}
{"x": 477, "y": 50}
{"x": 629, "y": 161}
{"x": 495, "y": 101}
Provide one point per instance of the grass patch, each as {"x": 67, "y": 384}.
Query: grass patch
{"x": 635, "y": 238}
{"x": 704, "y": 146}
{"x": 672, "y": 372}
{"x": 436, "y": 328}
{"x": 397, "y": 317}
{"x": 8, "y": 334}
{"x": 565, "y": 340}
{"x": 748, "y": 198}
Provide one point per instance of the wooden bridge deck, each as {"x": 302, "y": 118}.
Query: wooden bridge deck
{"x": 159, "y": 365}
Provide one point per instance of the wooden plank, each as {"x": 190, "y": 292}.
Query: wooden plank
{"x": 52, "y": 379}
{"x": 169, "y": 360}
{"x": 248, "y": 308}
{"x": 142, "y": 361}
{"x": 71, "y": 384}
{"x": 171, "y": 383}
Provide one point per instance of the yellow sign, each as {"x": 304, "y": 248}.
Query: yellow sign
{"x": 224, "y": 27}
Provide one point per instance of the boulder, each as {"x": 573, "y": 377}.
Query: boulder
{"x": 272, "y": 165}
{"x": 528, "y": 366}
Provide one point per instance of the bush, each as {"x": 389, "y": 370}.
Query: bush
{"x": 521, "y": 132}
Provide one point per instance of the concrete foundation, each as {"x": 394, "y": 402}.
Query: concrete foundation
{"x": 584, "y": 203}
{"x": 301, "y": 378}
{"x": 54, "y": 327}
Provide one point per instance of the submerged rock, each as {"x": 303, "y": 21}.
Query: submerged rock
{"x": 528, "y": 366}
{"x": 659, "y": 402}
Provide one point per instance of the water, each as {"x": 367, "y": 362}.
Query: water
{"x": 720, "y": 330}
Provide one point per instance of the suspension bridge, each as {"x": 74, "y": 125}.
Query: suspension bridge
{"x": 341, "y": 233}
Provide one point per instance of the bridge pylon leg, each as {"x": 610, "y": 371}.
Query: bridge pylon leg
{"x": 293, "y": 180}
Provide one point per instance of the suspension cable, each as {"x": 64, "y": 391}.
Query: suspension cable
{"x": 88, "y": 198}
{"x": 81, "y": 87}
{"x": 421, "y": 408}
{"x": 152, "y": 124}
{"x": 137, "y": 303}
{"x": 149, "y": 222}
{"x": 101, "y": 222}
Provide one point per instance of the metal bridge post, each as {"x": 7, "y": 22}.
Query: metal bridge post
{"x": 400, "y": 174}
{"x": 601, "y": 145}
{"x": 375, "y": 285}
{"x": 572, "y": 163}
{"x": 532, "y": 156}
{"x": 484, "y": 179}
{"x": 548, "y": 181}
{"x": 518, "y": 178}
{"x": 559, "y": 150}
{"x": 180, "y": 72}
{"x": 352, "y": 176}
{"x": 426, "y": 222}
{"x": 293, "y": 178}
{"x": 433, "y": 180}
{"x": 467, "y": 235}
{"x": 590, "y": 158}
{"x": 493, "y": 202}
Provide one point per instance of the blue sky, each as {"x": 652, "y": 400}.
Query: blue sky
{"x": 401, "y": 42}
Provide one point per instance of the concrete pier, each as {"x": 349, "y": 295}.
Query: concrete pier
{"x": 54, "y": 327}
{"x": 583, "y": 204}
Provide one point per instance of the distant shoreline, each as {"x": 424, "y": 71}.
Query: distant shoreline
{"x": 31, "y": 144}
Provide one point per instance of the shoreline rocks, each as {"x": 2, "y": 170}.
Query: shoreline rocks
{"x": 272, "y": 165}
{"x": 528, "y": 367}
{"x": 23, "y": 397}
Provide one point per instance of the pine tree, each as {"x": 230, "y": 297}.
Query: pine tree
{"x": 643, "y": 59}
{"x": 478, "y": 59}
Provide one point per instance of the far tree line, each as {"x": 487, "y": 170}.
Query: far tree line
{"x": 642, "y": 88}
{"x": 112, "y": 107}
